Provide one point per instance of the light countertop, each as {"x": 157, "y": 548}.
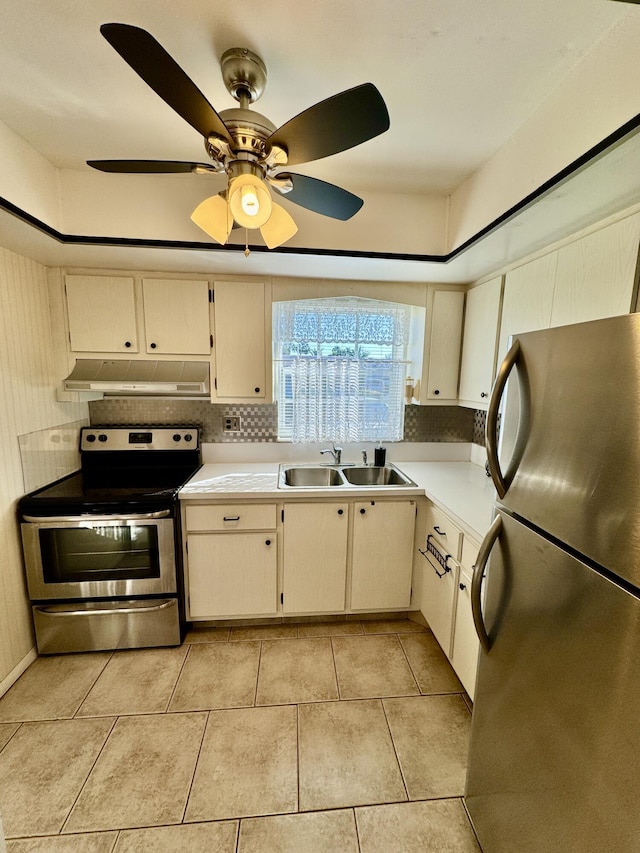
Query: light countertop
{"x": 461, "y": 488}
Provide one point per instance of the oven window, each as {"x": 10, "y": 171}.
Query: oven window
{"x": 100, "y": 553}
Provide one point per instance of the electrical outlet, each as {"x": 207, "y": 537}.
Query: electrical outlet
{"x": 232, "y": 424}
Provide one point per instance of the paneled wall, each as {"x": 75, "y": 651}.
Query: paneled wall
{"x": 27, "y": 405}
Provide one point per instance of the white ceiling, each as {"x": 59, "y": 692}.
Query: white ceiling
{"x": 459, "y": 77}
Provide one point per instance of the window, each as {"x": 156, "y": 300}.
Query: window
{"x": 340, "y": 366}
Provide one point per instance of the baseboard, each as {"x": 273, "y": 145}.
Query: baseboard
{"x": 17, "y": 671}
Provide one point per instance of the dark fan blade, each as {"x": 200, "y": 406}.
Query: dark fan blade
{"x": 146, "y": 166}
{"x": 340, "y": 122}
{"x": 151, "y": 61}
{"x": 321, "y": 197}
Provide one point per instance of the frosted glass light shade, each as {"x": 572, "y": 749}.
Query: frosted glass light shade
{"x": 250, "y": 201}
{"x": 214, "y": 217}
{"x": 279, "y": 228}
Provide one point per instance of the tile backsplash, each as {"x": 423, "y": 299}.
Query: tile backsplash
{"x": 259, "y": 423}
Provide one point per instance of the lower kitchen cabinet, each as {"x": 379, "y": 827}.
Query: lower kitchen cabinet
{"x": 446, "y": 593}
{"x": 382, "y": 554}
{"x": 315, "y": 557}
{"x": 231, "y": 560}
{"x": 232, "y": 574}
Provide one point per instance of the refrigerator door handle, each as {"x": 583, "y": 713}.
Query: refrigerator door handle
{"x": 476, "y": 583}
{"x": 492, "y": 418}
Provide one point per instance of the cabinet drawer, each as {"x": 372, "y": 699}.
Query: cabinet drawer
{"x": 231, "y": 517}
{"x": 447, "y": 535}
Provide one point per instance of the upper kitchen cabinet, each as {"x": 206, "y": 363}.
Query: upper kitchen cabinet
{"x": 242, "y": 341}
{"x": 176, "y": 316}
{"x": 437, "y": 356}
{"x": 596, "y": 275}
{"x": 118, "y": 314}
{"x": 102, "y": 313}
{"x": 479, "y": 343}
{"x": 528, "y": 299}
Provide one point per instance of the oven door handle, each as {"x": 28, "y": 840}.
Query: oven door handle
{"x": 137, "y": 516}
{"x": 50, "y": 611}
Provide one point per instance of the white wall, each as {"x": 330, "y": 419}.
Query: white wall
{"x": 600, "y": 95}
{"x": 28, "y": 404}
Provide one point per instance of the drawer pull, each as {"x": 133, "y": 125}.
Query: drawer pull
{"x": 438, "y": 531}
{"x": 231, "y": 518}
{"x": 442, "y": 559}
{"x": 463, "y": 586}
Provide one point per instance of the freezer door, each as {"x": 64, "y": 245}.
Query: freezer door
{"x": 576, "y": 442}
{"x": 555, "y": 752}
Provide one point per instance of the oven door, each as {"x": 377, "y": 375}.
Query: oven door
{"x": 99, "y": 556}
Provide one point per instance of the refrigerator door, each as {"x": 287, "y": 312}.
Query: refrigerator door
{"x": 555, "y": 752}
{"x": 578, "y": 438}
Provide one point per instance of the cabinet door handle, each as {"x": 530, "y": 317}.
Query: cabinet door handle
{"x": 153, "y": 346}
{"x": 231, "y": 518}
{"x": 463, "y": 586}
{"x": 267, "y": 541}
{"x": 257, "y": 390}
{"x": 127, "y": 343}
{"x": 437, "y": 391}
{"x": 362, "y": 511}
{"x": 483, "y": 394}
{"x": 340, "y": 511}
{"x": 438, "y": 531}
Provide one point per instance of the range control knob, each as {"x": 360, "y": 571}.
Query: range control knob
{"x": 91, "y": 437}
{"x": 177, "y": 437}
{"x": 102, "y": 437}
{"x": 188, "y": 437}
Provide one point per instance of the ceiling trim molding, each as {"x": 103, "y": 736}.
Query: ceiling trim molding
{"x": 618, "y": 136}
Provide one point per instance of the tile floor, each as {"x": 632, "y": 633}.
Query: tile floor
{"x": 340, "y": 737}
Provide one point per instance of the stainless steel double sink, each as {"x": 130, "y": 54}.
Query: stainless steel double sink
{"x": 337, "y": 476}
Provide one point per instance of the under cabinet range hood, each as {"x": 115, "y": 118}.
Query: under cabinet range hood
{"x": 135, "y": 378}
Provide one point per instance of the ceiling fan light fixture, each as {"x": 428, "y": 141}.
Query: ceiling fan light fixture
{"x": 214, "y": 217}
{"x": 279, "y": 228}
{"x": 249, "y": 201}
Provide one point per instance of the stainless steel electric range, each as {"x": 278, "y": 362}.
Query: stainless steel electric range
{"x": 102, "y": 546}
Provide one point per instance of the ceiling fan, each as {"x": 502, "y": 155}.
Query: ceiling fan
{"x": 247, "y": 146}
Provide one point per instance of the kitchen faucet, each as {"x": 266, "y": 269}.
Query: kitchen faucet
{"x": 335, "y": 452}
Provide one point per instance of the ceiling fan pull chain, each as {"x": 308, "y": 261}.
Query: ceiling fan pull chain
{"x": 246, "y": 243}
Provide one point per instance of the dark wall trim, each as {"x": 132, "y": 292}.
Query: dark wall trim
{"x": 614, "y": 138}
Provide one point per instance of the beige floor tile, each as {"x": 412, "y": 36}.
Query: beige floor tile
{"x": 86, "y": 842}
{"x": 52, "y": 688}
{"x": 438, "y": 826}
{"x": 192, "y": 838}
{"x": 143, "y": 774}
{"x": 392, "y": 626}
{"x": 318, "y": 832}
{"x": 7, "y": 730}
{"x": 296, "y": 671}
{"x": 207, "y": 635}
{"x": 372, "y": 666}
{"x": 429, "y": 664}
{"x": 329, "y": 629}
{"x": 217, "y": 675}
{"x": 42, "y": 770}
{"x": 431, "y": 737}
{"x": 277, "y": 631}
{"x": 135, "y": 682}
{"x": 346, "y": 756}
{"x": 247, "y": 766}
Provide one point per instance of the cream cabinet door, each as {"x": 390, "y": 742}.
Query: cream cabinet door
{"x": 382, "y": 557}
{"x": 479, "y": 343}
{"x": 240, "y": 340}
{"x": 528, "y": 299}
{"x": 444, "y": 346}
{"x": 596, "y": 275}
{"x": 315, "y": 557}
{"x": 102, "y": 313}
{"x": 176, "y": 316}
{"x": 466, "y": 646}
{"x": 232, "y": 575}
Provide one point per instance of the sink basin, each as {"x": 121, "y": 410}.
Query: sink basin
{"x": 372, "y": 475}
{"x": 332, "y": 476}
{"x": 312, "y": 476}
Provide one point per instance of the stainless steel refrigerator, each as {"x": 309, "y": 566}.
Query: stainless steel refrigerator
{"x": 554, "y": 762}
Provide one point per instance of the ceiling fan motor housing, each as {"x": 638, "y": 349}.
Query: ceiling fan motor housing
{"x": 244, "y": 73}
